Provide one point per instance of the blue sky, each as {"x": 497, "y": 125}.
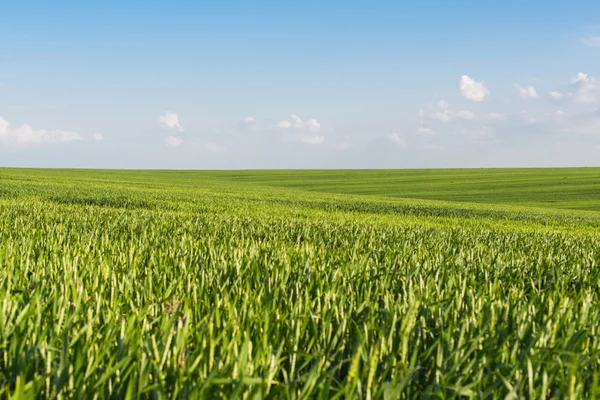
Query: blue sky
{"x": 312, "y": 84}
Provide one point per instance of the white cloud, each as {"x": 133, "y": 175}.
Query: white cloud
{"x": 442, "y": 114}
{"x": 424, "y": 131}
{"x": 472, "y": 90}
{"x": 401, "y": 142}
{"x": 528, "y": 92}
{"x": 579, "y": 77}
{"x": 305, "y": 130}
{"x": 576, "y": 120}
{"x": 173, "y": 141}
{"x": 582, "y": 89}
{"x": 171, "y": 121}
{"x": 466, "y": 114}
{"x": 249, "y": 120}
{"x": 297, "y": 122}
{"x": 555, "y": 95}
{"x": 313, "y": 125}
{"x": 591, "y": 41}
{"x": 25, "y": 135}
{"x": 585, "y": 88}
{"x": 97, "y": 137}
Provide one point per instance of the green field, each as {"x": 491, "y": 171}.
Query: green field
{"x": 377, "y": 284}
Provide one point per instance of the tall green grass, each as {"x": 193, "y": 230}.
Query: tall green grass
{"x": 180, "y": 285}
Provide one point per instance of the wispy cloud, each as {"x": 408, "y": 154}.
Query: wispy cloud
{"x": 425, "y": 131}
{"x": 398, "y": 140}
{"x": 527, "y": 92}
{"x": 443, "y": 113}
{"x": 311, "y": 139}
{"x": 173, "y": 141}
{"x": 591, "y": 41}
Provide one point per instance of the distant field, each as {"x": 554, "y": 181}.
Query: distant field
{"x": 567, "y": 188}
{"x": 573, "y": 188}
{"x": 300, "y": 284}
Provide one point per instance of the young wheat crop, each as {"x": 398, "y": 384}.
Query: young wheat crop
{"x": 123, "y": 285}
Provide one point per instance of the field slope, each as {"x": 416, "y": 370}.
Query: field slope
{"x": 300, "y": 284}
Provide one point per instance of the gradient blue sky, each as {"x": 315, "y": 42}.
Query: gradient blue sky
{"x": 312, "y": 84}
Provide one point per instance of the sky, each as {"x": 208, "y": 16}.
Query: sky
{"x": 311, "y": 84}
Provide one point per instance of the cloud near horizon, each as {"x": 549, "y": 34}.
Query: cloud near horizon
{"x": 461, "y": 120}
{"x": 171, "y": 121}
{"x": 571, "y": 113}
{"x": 25, "y": 135}
{"x": 173, "y": 141}
{"x": 306, "y": 131}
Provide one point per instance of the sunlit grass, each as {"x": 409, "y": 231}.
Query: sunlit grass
{"x": 153, "y": 284}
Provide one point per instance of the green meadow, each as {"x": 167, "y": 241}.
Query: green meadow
{"x": 368, "y": 284}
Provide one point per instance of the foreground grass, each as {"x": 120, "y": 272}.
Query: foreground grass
{"x": 164, "y": 284}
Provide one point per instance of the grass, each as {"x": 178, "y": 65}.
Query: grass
{"x": 299, "y": 284}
